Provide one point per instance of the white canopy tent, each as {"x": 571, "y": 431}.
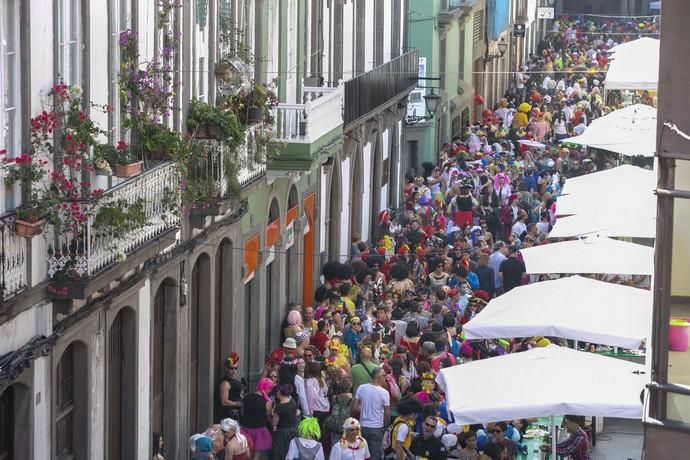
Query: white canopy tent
{"x": 629, "y": 131}
{"x": 544, "y": 382}
{"x": 595, "y": 254}
{"x": 574, "y": 308}
{"x": 612, "y": 225}
{"x": 635, "y": 65}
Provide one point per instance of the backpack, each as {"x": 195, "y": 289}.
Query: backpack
{"x": 339, "y": 413}
{"x": 388, "y": 437}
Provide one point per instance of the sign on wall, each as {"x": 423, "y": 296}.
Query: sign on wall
{"x": 545, "y": 12}
{"x": 518, "y": 30}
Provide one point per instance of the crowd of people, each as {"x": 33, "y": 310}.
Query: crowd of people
{"x": 355, "y": 377}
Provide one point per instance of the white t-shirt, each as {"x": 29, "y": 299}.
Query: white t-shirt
{"x": 518, "y": 228}
{"x": 372, "y": 399}
{"x": 579, "y": 129}
{"x": 346, "y": 453}
{"x": 401, "y": 434}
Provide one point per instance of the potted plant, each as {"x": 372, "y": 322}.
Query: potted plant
{"x": 118, "y": 217}
{"x": 205, "y": 121}
{"x": 27, "y": 170}
{"x": 158, "y": 142}
{"x": 126, "y": 163}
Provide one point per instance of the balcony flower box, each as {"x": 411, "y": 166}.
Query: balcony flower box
{"x": 128, "y": 170}
{"x": 27, "y": 229}
{"x": 67, "y": 289}
{"x": 255, "y": 115}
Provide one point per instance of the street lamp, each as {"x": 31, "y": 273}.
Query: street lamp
{"x": 431, "y": 100}
{"x": 502, "y": 48}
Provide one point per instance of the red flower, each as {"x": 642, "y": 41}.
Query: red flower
{"x": 3, "y": 151}
{"x": 121, "y": 145}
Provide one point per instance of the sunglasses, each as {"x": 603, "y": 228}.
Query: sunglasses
{"x": 353, "y": 429}
{"x": 429, "y": 425}
{"x": 232, "y": 368}
{"x": 497, "y": 431}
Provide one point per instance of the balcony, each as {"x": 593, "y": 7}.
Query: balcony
{"x": 308, "y": 128}
{"x": 90, "y": 250}
{"x": 13, "y": 257}
{"x": 379, "y": 88}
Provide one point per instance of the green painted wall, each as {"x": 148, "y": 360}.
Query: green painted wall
{"x": 424, "y": 33}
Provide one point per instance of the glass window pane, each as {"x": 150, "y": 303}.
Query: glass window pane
{"x": 73, "y": 19}
{"x": 9, "y": 29}
{"x": 9, "y": 85}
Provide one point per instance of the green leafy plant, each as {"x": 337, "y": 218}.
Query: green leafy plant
{"x": 220, "y": 124}
{"x": 118, "y": 217}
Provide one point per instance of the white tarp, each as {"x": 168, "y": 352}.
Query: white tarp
{"x": 574, "y": 308}
{"x": 629, "y": 131}
{"x": 634, "y": 66}
{"x": 543, "y": 382}
{"x": 595, "y": 254}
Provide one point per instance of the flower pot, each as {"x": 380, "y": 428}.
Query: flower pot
{"x": 128, "y": 170}
{"x": 255, "y": 114}
{"x": 104, "y": 172}
{"x": 67, "y": 289}
{"x": 28, "y": 229}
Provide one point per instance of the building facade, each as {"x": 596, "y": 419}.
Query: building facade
{"x": 136, "y": 346}
{"x": 459, "y": 46}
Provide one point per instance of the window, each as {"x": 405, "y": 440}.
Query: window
{"x": 9, "y": 76}
{"x": 200, "y": 50}
{"x": 68, "y": 37}
{"x": 478, "y": 26}
{"x": 7, "y": 424}
{"x": 119, "y": 20}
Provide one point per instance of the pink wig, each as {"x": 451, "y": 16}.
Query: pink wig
{"x": 265, "y": 386}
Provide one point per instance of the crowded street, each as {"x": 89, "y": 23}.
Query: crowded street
{"x": 361, "y": 370}
{"x": 345, "y": 230}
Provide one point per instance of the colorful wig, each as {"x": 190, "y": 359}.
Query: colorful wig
{"x": 309, "y": 429}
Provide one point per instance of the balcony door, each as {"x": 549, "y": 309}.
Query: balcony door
{"x": 7, "y": 424}
{"x": 121, "y": 386}
{"x": 71, "y": 403}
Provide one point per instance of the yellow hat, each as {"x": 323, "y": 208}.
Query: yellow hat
{"x": 543, "y": 342}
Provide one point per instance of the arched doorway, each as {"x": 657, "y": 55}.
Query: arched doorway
{"x": 376, "y": 178}
{"x": 122, "y": 390}
{"x": 334, "y": 210}
{"x": 163, "y": 378}
{"x": 291, "y": 261}
{"x": 223, "y": 316}
{"x": 71, "y": 402}
{"x": 199, "y": 344}
{"x": 272, "y": 282}
{"x": 15, "y": 421}
{"x": 357, "y": 194}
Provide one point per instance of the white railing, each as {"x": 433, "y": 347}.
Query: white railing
{"x": 14, "y": 269}
{"x": 87, "y": 251}
{"x": 305, "y": 123}
{"x": 251, "y": 166}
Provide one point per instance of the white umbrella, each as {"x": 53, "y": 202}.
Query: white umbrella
{"x": 630, "y": 131}
{"x": 635, "y": 65}
{"x": 617, "y": 200}
{"x": 574, "y": 308}
{"x": 532, "y": 144}
{"x": 613, "y": 225}
{"x": 595, "y": 254}
{"x": 546, "y": 381}
{"x": 625, "y": 177}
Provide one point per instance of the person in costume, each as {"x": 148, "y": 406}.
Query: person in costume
{"x": 230, "y": 389}
{"x": 352, "y": 446}
{"x": 307, "y": 445}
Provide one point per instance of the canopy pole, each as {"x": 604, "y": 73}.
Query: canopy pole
{"x": 553, "y": 438}
{"x": 576, "y": 345}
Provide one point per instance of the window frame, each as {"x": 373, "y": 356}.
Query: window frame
{"x": 10, "y": 74}
{"x": 69, "y": 63}
{"x": 116, "y": 25}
